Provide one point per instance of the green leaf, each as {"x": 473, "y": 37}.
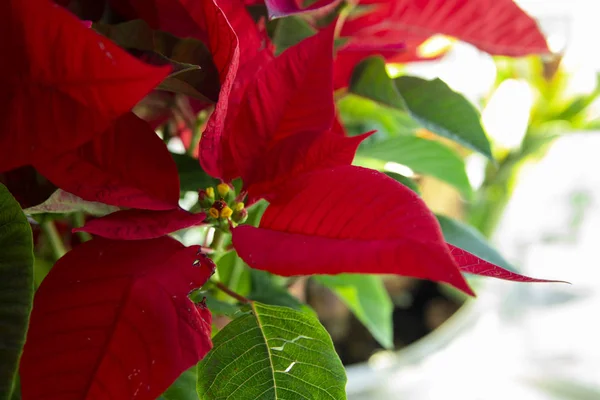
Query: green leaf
{"x": 441, "y": 110}
{"x": 233, "y": 273}
{"x": 291, "y": 31}
{"x": 64, "y": 202}
{"x": 16, "y": 287}
{"x": 272, "y": 353}
{"x": 184, "y": 388}
{"x": 370, "y": 80}
{"x": 367, "y": 298}
{"x": 266, "y": 290}
{"x": 361, "y": 115}
{"x": 191, "y": 175}
{"x": 468, "y": 238}
{"x": 406, "y": 181}
{"x": 421, "y": 155}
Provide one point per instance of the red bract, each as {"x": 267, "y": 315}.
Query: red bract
{"x": 291, "y": 94}
{"x": 205, "y": 21}
{"x": 126, "y": 166}
{"x": 497, "y": 27}
{"x": 112, "y": 320}
{"x": 141, "y": 224}
{"x": 348, "y": 219}
{"x": 471, "y": 264}
{"x": 282, "y": 8}
{"x": 64, "y": 83}
{"x": 256, "y": 51}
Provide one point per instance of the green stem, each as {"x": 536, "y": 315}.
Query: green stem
{"x": 231, "y": 293}
{"x": 218, "y": 240}
{"x": 78, "y": 222}
{"x": 54, "y": 239}
{"x": 195, "y": 141}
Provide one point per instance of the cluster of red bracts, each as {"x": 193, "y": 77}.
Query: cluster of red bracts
{"x": 112, "y": 319}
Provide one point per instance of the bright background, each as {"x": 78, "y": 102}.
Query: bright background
{"x": 520, "y": 341}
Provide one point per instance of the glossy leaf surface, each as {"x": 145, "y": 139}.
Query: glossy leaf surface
{"x": 443, "y": 111}
{"x": 423, "y": 156}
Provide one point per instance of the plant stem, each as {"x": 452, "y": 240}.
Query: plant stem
{"x": 218, "y": 240}
{"x": 231, "y": 293}
{"x": 54, "y": 238}
{"x": 195, "y": 141}
{"x": 78, "y": 222}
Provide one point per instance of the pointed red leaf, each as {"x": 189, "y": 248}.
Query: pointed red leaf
{"x": 498, "y": 27}
{"x": 283, "y": 8}
{"x": 203, "y": 20}
{"x": 301, "y": 153}
{"x": 471, "y": 264}
{"x": 291, "y": 94}
{"x": 64, "y": 83}
{"x": 348, "y": 219}
{"x": 141, "y": 224}
{"x": 127, "y": 166}
{"x": 256, "y": 51}
{"x": 112, "y": 320}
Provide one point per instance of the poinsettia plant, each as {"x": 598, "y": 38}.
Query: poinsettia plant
{"x": 184, "y": 159}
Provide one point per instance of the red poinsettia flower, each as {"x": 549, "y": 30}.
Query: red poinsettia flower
{"x": 498, "y": 27}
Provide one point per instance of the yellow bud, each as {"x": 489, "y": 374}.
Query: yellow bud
{"x": 213, "y": 212}
{"x": 226, "y": 212}
{"x": 239, "y": 206}
{"x": 210, "y": 192}
{"x": 223, "y": 189}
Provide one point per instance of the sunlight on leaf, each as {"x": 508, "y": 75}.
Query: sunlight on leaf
{"x": 272, "y": 353}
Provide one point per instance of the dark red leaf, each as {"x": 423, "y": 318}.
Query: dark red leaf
{"x": 112, "y": 320}
{"x": 300, "y": 153}
{"x": 141, "y": 224}
{"x": 348, "y": 219}
{"x": 127, "y": 166}
{"x": 256, "y": 51}
{"x": 27, "y": 186}
{"x": 64, "y": 83}
{"x": 498, "y": 27}
{"x": 291, "y": 94}
{"x": 282, "y": 8}
{"x": 471, "y": 264}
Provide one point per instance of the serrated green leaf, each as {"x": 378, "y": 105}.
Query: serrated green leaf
{"x": 367, "y": 298}
{"x": 468, "y": 238}
{"x": 272, "y": 353}
{"x": 16, "y": 287}
{"x": 266, "y": 290}
{"x": 443, "y": 111}
{"x": 421, "y": 155}
{"x": 370, "y": 80}
{"x": 184, "y": 388}
{"x": 191, "y": 175}
{"x": 291, "y": 31}
{"x": 62, "y": 202}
